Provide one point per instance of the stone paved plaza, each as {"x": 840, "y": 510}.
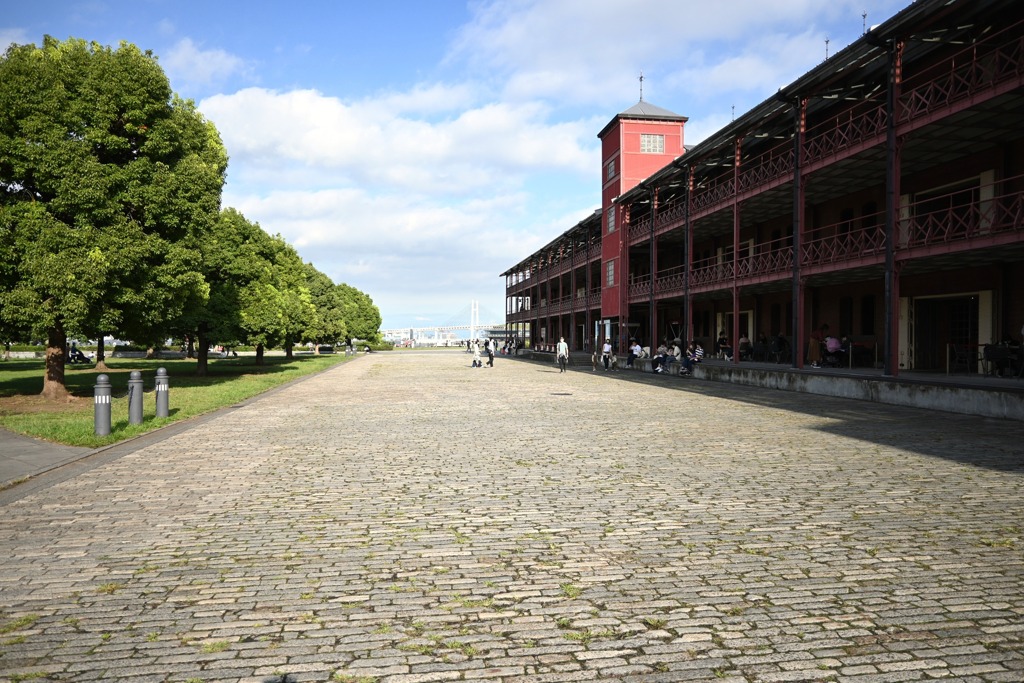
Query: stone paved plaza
{"x": 407, "y": 518}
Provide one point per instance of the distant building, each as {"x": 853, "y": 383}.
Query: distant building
{"x": 881, "y": 193}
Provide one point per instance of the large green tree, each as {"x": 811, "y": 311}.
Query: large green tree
{"x": 362, "y": 317}
{"x": 257, "y": 290}
{"x": 108, "y": 184}
{"x": 342, "y": 311}
{"x": 298, "y": 312}
{"x": 327, "y": 325}
{"x": 277, "y": 307}
{"x": 236, "y": 258}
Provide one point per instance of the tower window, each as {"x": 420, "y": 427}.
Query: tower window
{"x": 652, "y": 144}
{"x": 610, "y": 170}
{"x": 610, "y": 219}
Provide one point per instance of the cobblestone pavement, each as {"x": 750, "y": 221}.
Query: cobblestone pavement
{"x": 406, "y": 518}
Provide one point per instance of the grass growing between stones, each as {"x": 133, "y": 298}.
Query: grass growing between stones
{"x": 571, "y": 591}
{"x": 35, "y": 675}
{"x": 340, "y": 677}
{"x": 19, "y": 624}
{"x": 229, "y": 381}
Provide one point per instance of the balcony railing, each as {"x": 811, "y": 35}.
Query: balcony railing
{"x": 640, "y": 286}
{"x": 710, "y": 271}
{"x": 640, "y": 229}
{"x": 963, "y": 215}
{"x": 971, "y": 212}
{"x": 713, "y": 192}
{"x": 670, "y": 279}
{"x": 992, "y": 64}
{"x": 768, "y": 258}
{"x": 761, "y": 170}
{"x": 670, "y": 213}
{"x": 996, "y": 60}
{"x": 838, "y": 134}
{"x": 844, "y": 241}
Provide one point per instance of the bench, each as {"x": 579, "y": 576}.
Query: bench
{"x": 647, "y": 365}
{"x": 642, "y": 365}
{"x": 858, "y": 347}
{"x": 996, "y": 358}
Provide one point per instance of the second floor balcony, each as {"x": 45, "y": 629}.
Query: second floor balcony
{"x": 964, "y": 219}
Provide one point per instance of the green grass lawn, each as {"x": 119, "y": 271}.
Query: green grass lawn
{"x": 229, "y": 381}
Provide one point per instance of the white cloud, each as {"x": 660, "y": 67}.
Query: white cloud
{"x": 754, "y": 71}
{"x": 418, "y": 213}
{"x": 13, "y": 36}
{"x": 422, "y": 197}
{"x": 700, "y": 127}
{"x": 425, "y": 99}
{"x": 592, "y": 51}
{"x": 366, "y": 142}
{"x": 187, "y": 63}
{"x": 358, "y": 219}
{"x": 410, "y": 253}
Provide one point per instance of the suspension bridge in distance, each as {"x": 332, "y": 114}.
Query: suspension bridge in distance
{"x": 449, "y": 334}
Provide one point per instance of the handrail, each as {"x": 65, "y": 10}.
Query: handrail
{"x": 941, "y": 219}
{"x": 993, "y": 60}
{"x": 996, "y": 61}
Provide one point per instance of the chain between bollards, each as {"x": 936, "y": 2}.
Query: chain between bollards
{"x": 102, "y": 397}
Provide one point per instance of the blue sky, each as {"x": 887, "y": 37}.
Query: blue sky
{"x": 417, "y": 149}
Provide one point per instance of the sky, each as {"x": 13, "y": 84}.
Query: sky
{"x": 417, "y": 149}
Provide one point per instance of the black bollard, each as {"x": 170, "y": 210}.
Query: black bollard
{"x": 101, "y": 400}
{"x": 162, "y": 393}
{"x": 135, "y": 398}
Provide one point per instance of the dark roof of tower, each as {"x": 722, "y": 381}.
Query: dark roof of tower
{"x": 644, "y": 110}
{"x": 648, "y": 110}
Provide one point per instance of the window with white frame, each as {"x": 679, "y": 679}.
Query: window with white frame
{"x": 652, "y": 144}
{"x": 609, "y": 274}
{"x": 610, "y": 219}
{"x": 609, "y": 169}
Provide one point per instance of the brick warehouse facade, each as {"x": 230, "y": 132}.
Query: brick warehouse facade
{"x": 881, "y": 193}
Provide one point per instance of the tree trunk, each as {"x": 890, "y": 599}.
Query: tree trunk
{"x": 190, "y": 347}
{"x": 259, "y": 354}
{"x": 56, "y": 354}
{"x": 202, "y": 352}
{"x": 101, "y": 355}
{"x": 288, "y": 349}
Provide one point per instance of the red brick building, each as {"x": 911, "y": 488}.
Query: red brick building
{"x": 881, "y": 193}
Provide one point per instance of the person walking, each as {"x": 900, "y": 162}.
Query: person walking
{"x": 476, "y": 355}
{"x": 563, "y": 354}
{"x": 489, "y": 347}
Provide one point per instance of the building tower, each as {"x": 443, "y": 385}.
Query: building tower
{"x": 634, "y": 145}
